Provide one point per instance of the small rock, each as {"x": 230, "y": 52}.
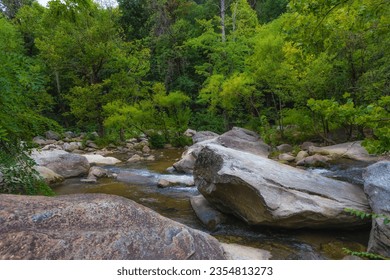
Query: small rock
{"x": 189, "y": 132}
{"x": 89, "y": 180}
{"x": 91, "y": 144}
{"x": 150, "y": 158}
{"x": 97, "y": 172}
{"x": 314, "y": 161}
{"x": 286, "y": 157}
{"x": 99, "y": 159}
{"x": 350, "y": 257}
{"x": 306, "y": 145}
{"x": 69, "y": 134}
{"x": 284, "y": 148}
{"x": 301, "y": 155}
{"x": 146, "y": 150}
{"x": 95, "y": 134}
{"x": 162, "y": 183}
{"x": 203, "y": 135}
{"x": 135, "y": 158}
{"x": 132, "y": 140}
{"x": 39, "y": 140}
{"x": 167, "y": 146}
{"x": 51, "y": 135}
{"x": 240, "y": 252}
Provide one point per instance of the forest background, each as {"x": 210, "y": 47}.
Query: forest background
{"x": 291, "y": 70}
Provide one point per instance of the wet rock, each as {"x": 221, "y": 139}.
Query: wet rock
{"x": 150, "y": 158}
{"x": 377, "y": 187}
{"x": 99, "y": 159}
{"x": 240, "y": 252}
{"x": 98, "y": 172}
{"x": 61, "y": 162}
{"x": 175, "y": 180}
{"x": 132, "y": 178}
{"x": 264, "y": 192}
{"x": 51, "y": 135}
{"x": 162, "y": 183}
{"x": 314, "y": 161}
{"x": 48, "y": 175}
{"x": 95, "y": 227}
{"x": 208, "y": 215}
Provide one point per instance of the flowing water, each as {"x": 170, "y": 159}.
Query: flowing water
{"x": 138, "y": 181}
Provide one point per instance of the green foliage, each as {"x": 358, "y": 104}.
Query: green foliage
{"x": 18, "y": 173}
{"x": 157, "y": 140}
{"x": 366, "y": 255}
{"x": 364, "y": 215}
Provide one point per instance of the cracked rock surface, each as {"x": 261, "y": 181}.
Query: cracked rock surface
{"x": 95, "y": 226}
{"x": 261, "y": 191}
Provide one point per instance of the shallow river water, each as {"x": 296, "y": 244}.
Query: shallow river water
{"x": 174, "y": 203}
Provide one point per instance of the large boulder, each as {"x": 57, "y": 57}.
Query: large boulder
{"x": 95, "y": 226}
{"x": 237, "y": 138}
{"x": 377, "y": 187}
{"x": 61, "y": 162}
{"x": 349, "y": 150}
{"x": 261, "y": 191}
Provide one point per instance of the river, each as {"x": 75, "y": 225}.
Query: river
{"x": 138, "y": 182}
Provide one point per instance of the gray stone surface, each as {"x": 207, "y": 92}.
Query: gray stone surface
{"x": 237, "y": 138}
{"x": 61, "y": 162}
{"x": 350, "y": 150}
{"x": 264, "y": 192}
{"x": 207, "y": 214}
{"x": 95, "y": 227}
{"x": 240, "y": 252}
{"x": 377, "y": 187}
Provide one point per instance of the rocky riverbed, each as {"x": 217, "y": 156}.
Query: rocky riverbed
{"x": 289, "y": 201}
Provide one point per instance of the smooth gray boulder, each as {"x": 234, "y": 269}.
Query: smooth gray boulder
{"x": 237, "y": 138}
{"x": 61, "y": 162}
{"x": 261, "y": 191}
{"x": 95, "y": 227}
{"x": 377, "y": 187}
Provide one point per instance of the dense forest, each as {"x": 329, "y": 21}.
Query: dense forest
{"x": 290, "y": 70}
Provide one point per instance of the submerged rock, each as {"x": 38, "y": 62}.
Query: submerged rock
{"x": 95, "y": 227}
{"x": 261, "y": 191}
{"x": 377, "y": 187}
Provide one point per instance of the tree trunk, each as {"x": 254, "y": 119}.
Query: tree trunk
{"x": 223, "y": 21}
